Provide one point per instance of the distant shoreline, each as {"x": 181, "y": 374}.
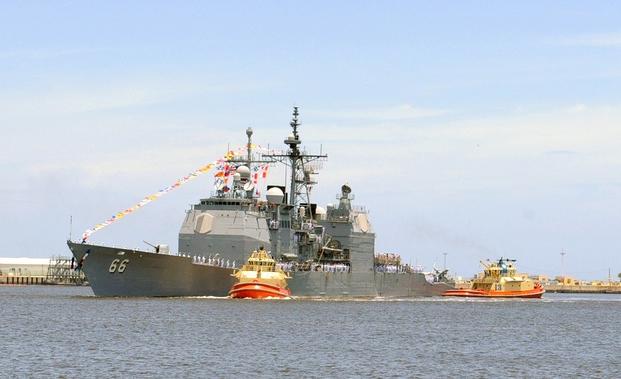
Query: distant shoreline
{"x": 555, "y": 288}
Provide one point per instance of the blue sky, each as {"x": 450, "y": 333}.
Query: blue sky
{"x": 478, "y": 129}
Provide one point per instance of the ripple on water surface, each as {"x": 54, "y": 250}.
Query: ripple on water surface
{"x": 65, "y": 331}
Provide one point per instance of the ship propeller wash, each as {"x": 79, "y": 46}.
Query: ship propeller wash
{"x": 325, "y": 252}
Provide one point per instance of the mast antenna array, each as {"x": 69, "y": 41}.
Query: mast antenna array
{"x": 301, "y": 167}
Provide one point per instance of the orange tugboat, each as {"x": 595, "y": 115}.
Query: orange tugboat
{"x": 500, "y": 279}
{"x": 259, "y": 278}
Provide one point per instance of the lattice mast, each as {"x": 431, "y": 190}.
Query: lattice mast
{"x": 302, "y": 169}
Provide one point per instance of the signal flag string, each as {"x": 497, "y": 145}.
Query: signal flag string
{"x": 148, "y": 199}
{"x": 178, "y": 183}
{"x": 119, "y": 215}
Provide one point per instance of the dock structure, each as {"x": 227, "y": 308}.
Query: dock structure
{"x": 28, "y": 271}
{"x": 22, "y": 280}
{"x": 61, "y": 270}
{"x": 568, "y": 284}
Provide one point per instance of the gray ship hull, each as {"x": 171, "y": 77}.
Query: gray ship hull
{"x": 150, "y": 274}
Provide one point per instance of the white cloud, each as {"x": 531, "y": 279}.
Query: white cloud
{"x": 160, "y": 165}
{"x": 567, "y": 127}
{"x": 47, "y": 53}
{"x": 509, "y": 151}
{"x": 594, "y": 40}
{"x": 454, "y": 154}
{"x": 87, "y": 98}
{"x": 399, "y": 112}
{"x": 577, "y": 108}
{"x": 52, "y": 97}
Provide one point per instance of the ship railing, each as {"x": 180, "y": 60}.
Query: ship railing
{"x": 320, "y": 267}
{"x": 213, "y": 261}
{"x": 395, "y": 269}
{"x": 231, "y": 195}
{"x": 122, "y": 248}
{"x": 340, "y": 218}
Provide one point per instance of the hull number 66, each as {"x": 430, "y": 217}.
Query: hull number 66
{"x": 118, "y": 265}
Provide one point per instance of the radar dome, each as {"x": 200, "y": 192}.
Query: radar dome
{"x": 243, "y": 171}
{"x": 274, "y": 195}
{"x": 321, "y": 213}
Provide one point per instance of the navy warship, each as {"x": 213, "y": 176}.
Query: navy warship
{"x": 327, "y": 252}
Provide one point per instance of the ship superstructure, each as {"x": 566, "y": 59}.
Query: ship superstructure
{"x": 232, "y": 221}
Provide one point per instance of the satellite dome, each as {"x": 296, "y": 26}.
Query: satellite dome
{"x": 321, "y": 213}
{"x": 243, "y": 171}
{"x": 274, "y": 195}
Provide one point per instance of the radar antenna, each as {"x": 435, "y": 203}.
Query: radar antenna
{"x": 249, "y": 134}
{"x": 245, "y": 186}
{"x": 301, "y": 167}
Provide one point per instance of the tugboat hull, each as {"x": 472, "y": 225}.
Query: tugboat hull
{"x": 258, "y": 290}
{"x": 535, "y": 293}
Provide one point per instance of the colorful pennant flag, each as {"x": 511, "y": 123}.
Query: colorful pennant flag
{"x": 222, "y": 175}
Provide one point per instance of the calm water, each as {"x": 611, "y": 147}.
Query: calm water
{"x": 66, "y": 332}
